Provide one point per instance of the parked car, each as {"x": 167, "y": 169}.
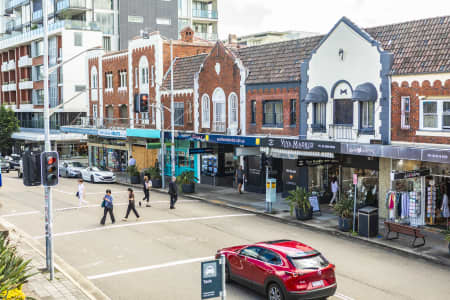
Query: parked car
{"x": 4, "y": 165}
{"x": 71, "y": 169}
{"x": 13, "y": 160}
{"x": 281, "y": 269}
{"x": 94, "y": 174}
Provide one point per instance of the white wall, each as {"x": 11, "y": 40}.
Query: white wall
{"x": 75, "y": 71}
{"x": 361, "y": 64}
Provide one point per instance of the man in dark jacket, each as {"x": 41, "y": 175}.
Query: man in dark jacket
{"x": 173, "y": 192}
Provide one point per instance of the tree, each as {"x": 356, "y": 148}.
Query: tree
{"x": 8, "y": 125}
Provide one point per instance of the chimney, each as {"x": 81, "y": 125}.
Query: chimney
{"x": 232, "y": 39}
{"x": 187, "y": 35}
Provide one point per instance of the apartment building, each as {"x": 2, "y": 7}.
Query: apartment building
{"x": 271, "y": 37}
{"x": 200, "y": 15}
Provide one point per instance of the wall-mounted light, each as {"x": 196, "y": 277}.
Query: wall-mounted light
{"x": 341, "y": 53}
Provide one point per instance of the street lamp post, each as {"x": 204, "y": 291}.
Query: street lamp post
{"x": 172, "y": 113}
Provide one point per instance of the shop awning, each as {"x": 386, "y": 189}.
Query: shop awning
{"x": 317, "y": 94}
{"x": 365, "y": 92}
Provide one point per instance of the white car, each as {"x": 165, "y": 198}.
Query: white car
{"x": 70, "y": 169}
{"x": 94, "y": 174}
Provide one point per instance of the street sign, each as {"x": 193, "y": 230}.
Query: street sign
{"x": 212, "y": 285}
{"x": 355, "y": 178}
{"x": 201, "y": 150}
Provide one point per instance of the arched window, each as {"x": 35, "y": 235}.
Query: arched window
{"x": 123, "y": 114}
{"x": 233, "y": 110}
{"x": 94, "y": 83}
{"x": 219, "y": 110}
{"x": 143, "y": 75}
{"x": 205, "y": 111}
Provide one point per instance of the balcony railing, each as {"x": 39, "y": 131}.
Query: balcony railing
{"x": 205, "y": 14}
{"x": 38, "y": 124}
{"x": 25, "y": 61}
{"x": 18, "y": 24}
{"x": 14, "y": 3}
{"x": 11, "y": 65}
{"x": 12, "y": 86}
{"x": 5, "y": 66}
{"x": 5, "y": 87}
{"x": 219, "y": 126}
{"x": 64, "y": 4}
{"x": 341, "y": 132}
{"x": 9, "y": 26}
{"x": 206, "y": 36}
{"x": 38, "y": 100}
{"x": 26, "y": 85}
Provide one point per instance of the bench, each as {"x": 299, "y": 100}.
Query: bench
{"x": 406, "y": 230}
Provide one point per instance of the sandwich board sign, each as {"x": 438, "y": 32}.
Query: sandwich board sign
{"x": 212, "y": 285}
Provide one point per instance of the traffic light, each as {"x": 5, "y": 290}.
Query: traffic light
{"x": 141, "y": 102}
{"x": 31, "y": 165}
{"x": 50, "y": 171}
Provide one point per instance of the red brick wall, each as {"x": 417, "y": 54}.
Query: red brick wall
{"x": 187, "y": 99}
{"x": 229, "y": 79}
{"x": 260, "y": 96}
{"x": 182, "y": 49}
{"x": 91, "y": 63}
{"x": 414, "y": 91}
{"x": 115, "y": 98}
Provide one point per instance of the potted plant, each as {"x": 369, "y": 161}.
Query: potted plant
{"x": 298, "y": 200}
{"x": 344, "y": 210}
{"x": 187, "y": 180}
{"x": 155, "y": 175}
{"x": 134, "y": 174}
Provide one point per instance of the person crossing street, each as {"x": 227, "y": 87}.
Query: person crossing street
{"x": 173, "y": 192}
{"x": 131, "y": 206}
{"x": 108, "y": 207}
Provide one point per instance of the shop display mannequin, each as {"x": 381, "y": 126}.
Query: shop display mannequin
{"x": 444, "y": 208}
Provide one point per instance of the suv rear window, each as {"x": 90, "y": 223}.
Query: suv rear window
{"x": 309, "y": 262}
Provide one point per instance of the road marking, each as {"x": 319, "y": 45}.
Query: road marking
{"x": 143, "y": 223}
{"x": 343, "y": 297}
{"x": 93, "y": 193}
{"x": 166, "y": 265}
{"x": 35, "y": 212}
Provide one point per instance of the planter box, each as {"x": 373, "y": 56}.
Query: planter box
{"x": 188, "y": 188}
{"x": 303, "y": 215}
{"x": 134, "y": 179}
{"x": 345, "y": 224}
{"x": 157, "y": 183}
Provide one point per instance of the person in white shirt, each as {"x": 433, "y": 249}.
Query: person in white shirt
{"x": 334, "y": 190}
{"x": 81, "y": 193}
{"x": 147, "y": 187}
{"x": 131, "y": 161}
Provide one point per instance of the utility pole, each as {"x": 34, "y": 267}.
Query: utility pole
{"x": 162, "y": 146}
{"x": 48, "y": 190}
{"x": 172, "y": 112}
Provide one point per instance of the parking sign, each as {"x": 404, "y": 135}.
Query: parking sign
{"x": 211, "y": 279}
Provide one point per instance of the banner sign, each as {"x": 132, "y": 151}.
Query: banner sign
{"x": 211, "y": 279}
{"x": 411, "y": 174}
{"x": 201, "y": 150}
{"x": 304, "y": 145}
{"x": 314, "y": 162}
{"x": 120, "y": 134}
{"x": 314, "y": 200}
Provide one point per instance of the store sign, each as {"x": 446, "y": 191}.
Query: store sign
{"x": 297, "y": 144}
{"x": 440, "y": 156}
{"x": 156, "y": 145}
{"x": 88, "y": 131}
{"x": 411, "y": 174}
{"x": 233, "y": 140}
{"x": 247, "y": 151}
{"x": 314, "y": 162}
{"x": 121, "y": 134}
{"x": 201, "y": 150}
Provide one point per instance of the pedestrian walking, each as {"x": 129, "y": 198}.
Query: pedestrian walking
{"x": 81, "y": 193}
{"x": 173, "y": 192}
{"x": 108, "y": 207}
{"x": 240, "y": 178}
{"x": 147, "y": 187}
{"x": 131, "y": 161}
{"x": 131, "y": 206}
{"x": 334, "y": 190}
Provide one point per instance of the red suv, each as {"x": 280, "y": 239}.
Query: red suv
{"x": 281, "y": 269}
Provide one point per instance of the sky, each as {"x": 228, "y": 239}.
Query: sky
{"x": 243, "y": 17}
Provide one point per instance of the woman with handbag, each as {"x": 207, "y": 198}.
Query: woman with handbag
{"x": 131, "y": 206}
{"x": 108, "y": 207}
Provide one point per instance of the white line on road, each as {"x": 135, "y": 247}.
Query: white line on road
{"x": 144, "y": 223}
{"x": 134, "y": 270}
{"x": 94, "y": 193}
{"x": 36, "y": 212}
{"x": 343, "y": 297}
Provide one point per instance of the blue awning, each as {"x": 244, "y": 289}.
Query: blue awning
{"x": 317, "y": 94}
{"x": 365, "y": 92}
{"x": 144, "y": 133}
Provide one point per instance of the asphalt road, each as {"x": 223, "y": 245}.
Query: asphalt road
{"x": 159, "y": 256}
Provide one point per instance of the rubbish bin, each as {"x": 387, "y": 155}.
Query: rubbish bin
{"x": 368, "y": 221}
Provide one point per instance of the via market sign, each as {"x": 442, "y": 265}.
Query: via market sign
{"x": 304, "y": 145}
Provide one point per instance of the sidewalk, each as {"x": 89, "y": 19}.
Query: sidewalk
{"x": 435, "y": 249}
{"x": 39, "y": 286}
